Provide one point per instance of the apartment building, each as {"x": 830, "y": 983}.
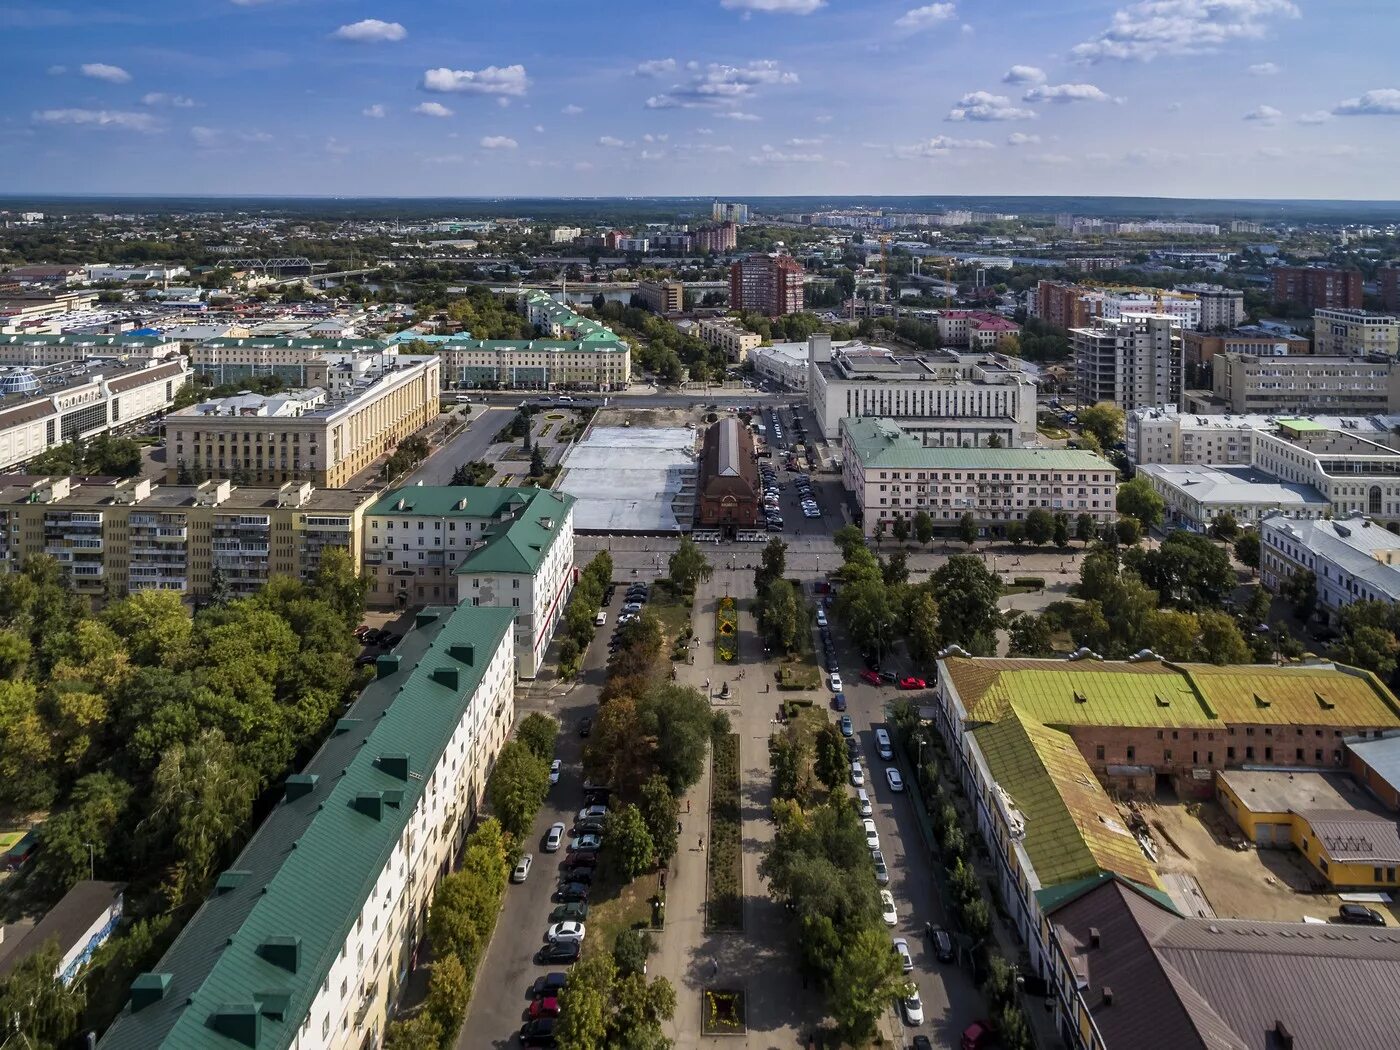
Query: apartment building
{"x": 1357, "y": 475}
{"x": 503, "y": 547}
{"x": 1221, "y": 308}
{"x": 975, "y": 329}
{"x": 119, "y": 537}
{"x": 662, "y": 297}
{"x": 893, "y": 475}
{"x": 1352, "y": 559}
{"x": 949, "y": 399}
{"x": 598, "y": 361}
{"x": 722, "y": 237}
{"x": 38, "y": 350}
{"x": 233, "y": 359}
{"x": 1131, "y": 361}
{"x": 1355, "y": 333}
{"x": 729, "y": 335}
{"x": 308, "y": 935}
{"x": 1316, "y": 287}
{"x": 1254, "y": 383}
{"x": 724, "y": 211}
{"x": 1388, "y": 285}
{"x": 564, "y": 234}
{"x": 767, "y": 284}
{"x": 1201, "y": 348}
{"x": 304, "y": 435}
{"x": 1166, "y": 435}
{"x": 95, "y": 401}
{"x": 1072, "y": 306}
{"x": 1059, "y": 304}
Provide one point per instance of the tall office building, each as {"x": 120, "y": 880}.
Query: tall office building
{"x": 1317, "y": 287}
{"x": 1221, "y": 308}
{"x": 766, "y": 284}
{"x": 1134, "y": 361}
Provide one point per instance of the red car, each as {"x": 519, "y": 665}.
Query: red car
{"x": 912, "y": 683}
{"x": 547, "y": 1007}
{"x": 871, "y": 676}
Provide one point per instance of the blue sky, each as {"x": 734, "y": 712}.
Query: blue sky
{"x": 1241, "y": 98}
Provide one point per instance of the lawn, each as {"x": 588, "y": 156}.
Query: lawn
{"x": 615, "y": 904}
{"x": 724, "y": 909}
{"x": 799, "y": 674}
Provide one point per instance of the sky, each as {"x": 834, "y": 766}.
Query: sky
{"x": 1184, "y": 98}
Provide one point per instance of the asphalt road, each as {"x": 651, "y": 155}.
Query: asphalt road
{"x": 688, "y": 399}
{"x": 466, "y": 446}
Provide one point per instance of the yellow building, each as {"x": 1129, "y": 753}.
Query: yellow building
{"x": 729, "y": 335}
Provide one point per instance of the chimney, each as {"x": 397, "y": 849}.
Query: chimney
{"x": 1093, "y": 936}
{"x": 300, "y": 785}
{"x": 387, "y": 664}
{"x": 1283, "y": 1038}
{"x": 148, "y": 989}
{"x": 1107, "y": 996}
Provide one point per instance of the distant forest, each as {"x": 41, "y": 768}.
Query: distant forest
{"x": 624, "y": 210}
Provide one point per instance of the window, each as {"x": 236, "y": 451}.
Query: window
{"x": 1098, "y": 752}
{"x": 1229, "y": 754}
{"x": 1132, "y": 752}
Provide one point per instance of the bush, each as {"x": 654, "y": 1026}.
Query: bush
{"x": 725, "y": 909}
{"x": 1037, "y": 582}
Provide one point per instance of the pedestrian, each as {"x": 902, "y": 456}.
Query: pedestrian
{"x": 702, "y": 843}
{"x": 678, "y": 827}
{"x": 687, "y": 805}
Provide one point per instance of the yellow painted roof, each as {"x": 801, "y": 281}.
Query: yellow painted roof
{"x": 1072, "y": 828}
{"x": 1301, "y": 695}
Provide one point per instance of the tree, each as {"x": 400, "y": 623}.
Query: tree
{"x": 1246, "y": 548}
{"x": 995, "y": 441}
{"x": 784, "y": 758}
{"x": 679, "y": 719}
{"x": 900, "y": 528}
{"x": 1061, "y": 530}
{"x": 1016, "y": 532}
{"x": 659, "y": 810}
{"x": 154, "y": 625}
{"x": 921, "y": 626}
{"x": 688, "y": 567}
{"x": 38, "y": 1007}
{"x": 780, "y": 616}
{"x": 630, "y": 951}
{"x": 537, "y": 465}
{"x": 967, "y": 593}
{"x": 895, "y": 570}
{"x": 967, "y": 528}
{"x": 848, "y": 538}
{"x": 1221, "y": 641}
{"x": 866, "y": 976}
{"x": 449, "y": 992}
{"x": 1370, "y": 637}
{"x": 629, "y": 841}
{"x": 1187, "y": 570}
{"x": 923, "y": 527}
{"x": 1104, "y": 421}
{"x": 419, "y": 1032}
{"x": 1031, "y": 636}
{"x": 772, "y": 566}
{"x": 585, "y": 1003}
{"x": 1224, "y": 526}
{"x": 1300, "y": 590}
{"x": 539, "y": 732}
{"x": 1040, "y": 526}
{"x": 93, "y": 822}
{"x": 1172, "y": 634}
{"x": 864, "y": 607}
{"x": 1085, "y": 529}
{"x": 1127, "y": 532}
{"x": 831, "y": 765}
{"x": 517, "y": 787}
{"x": 1138, "y": 499}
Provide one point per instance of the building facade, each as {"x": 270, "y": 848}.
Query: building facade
{"x": 52, "y": 349}
{"x": 1132, "y": 361}
{"x": 1222, "y": 309}
{"x": 766, "y": 284}
{"x": 1252, "y": 383}
{"x": 1316, "y": 287}
{"x": 302, "y": 436}
{"x": 308, "y": 938}
{"x": 785, "y": 364}
{"x": 231, "y": 359}
{"x": 1352, "y": 559}
{"x": 1166, "y": 435}
{"x": 1355, "y": 333}
{"x": 729, "y": 490}
{"x": 1388, "y": 285}
{"x": 722, "y": 237}
{"x": 481, "y": 546}
{"x": 893, "y": 475}
{"x": 725, "y": 211}
{"x": 662, "y": 297}
{"x": 1194, "y": 495}
{"x": 975, "y": 329}
{"x": 1201, "y": 348}
{"x": 729, "y": 335}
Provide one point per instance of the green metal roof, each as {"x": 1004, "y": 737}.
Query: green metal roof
{"x": 77, "y": 339}
{"x": 1054, "y": 897}
{"x": 254, "y": 956}
{"x": 881, "y": 444}
{"x": 329, "y": 343}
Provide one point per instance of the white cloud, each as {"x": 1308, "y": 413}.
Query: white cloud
{"x": 984, "y": 106}
{"x": 718, "y": 85}
{"x": 376, "y": 111}
{"x": 583, "y": 165}
{"x": 704, "y": 131}
{"x": 649, "y": 137}
{"x": 1020, "y": 138}
{"x": 371, "y": 31}
{"x": 1265, "y": 69}
{"x": 1153, "y": 28}
{"x": 774, "y": 7}
{"x": 611, "y": 141}
{"x": 498, "y": 142}
{"x": 1051, "y": 158}
{"x": 923, "y": 17}
{"x": 1380, "y": 102}
{"x": 493, "y": 80}
{"x": 1319, "y": 116}
{"x": 102, "y": 71}
{"x": 803, "y": 143}
{"x": 650, "y": 154}
{"x": 748, "y": 117}
{"x": 1066, "y": 93}
{"x": 940, "y": 146}
{"x": 432, "y": 109}
{"x": 218, "y": 138}
{"x": 655, "y": 67}
{"x": 336, "y": 148}
{"x": 1264, "y": 115}
{"x": 571, "y": 110}
{"x": 769, "y": 155}
{"x": 1024, "y": 75}
{"x": 112, "y": 119}
{"x": 160, "y": 98}
{"x": 57, "y": 71}
{"x": 1152, "y": 155}
{"x": 539, "y": 129}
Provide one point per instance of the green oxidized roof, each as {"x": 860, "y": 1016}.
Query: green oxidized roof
{"x": 880, "y": 443}
{"x": 302, "y": 881}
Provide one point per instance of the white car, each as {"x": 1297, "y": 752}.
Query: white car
{"x": 882, "y": 871}
{"x": 821, "y": 617}
{"x": 887, "y": 911}
{"x": 906, "y": 959}
{"x": 857, "y": 774}
{"x": 872, "y": 836}
{"x": 600, "y": 619}
{"x": 522, "y": 869}
{"x": 914, "y": 1010}
{"x": 896, "y": 781}
{"x": 555, "y": 768}
{"x": 554, "y": 838}
{"x": 593, "y": 813}
{"x": 836, "y": 684}
{"x": 863, "y": 803}
{"x": 564, "y": 931}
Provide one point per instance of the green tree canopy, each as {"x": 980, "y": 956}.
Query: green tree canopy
{"x": 1138, "y": 499}
{"x": 688, "y": 567}
{"x": 966, "y": 592}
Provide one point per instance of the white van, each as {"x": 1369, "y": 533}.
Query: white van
{"x": 863, "y": 803}
{"x": 883, "y": 746}
{"x": 600, "y": 619}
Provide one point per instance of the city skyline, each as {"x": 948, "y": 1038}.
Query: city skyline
{"x": 1184, "y": 98}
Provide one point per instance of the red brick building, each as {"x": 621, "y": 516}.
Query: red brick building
{"x": 767, "y": 284}
{"x": 1061, "y": 305}
{"x": 1317, "y": 288}
{"x": 1388, "y": 280}
{"x": 729, "y": 490}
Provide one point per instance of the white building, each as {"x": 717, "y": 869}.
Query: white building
{"x": 729, "y": 335}
{"x": 1298, "y": 384}
{"x": 893, "y": 475}
{"x": 52, "y": 349}
{"x": 1352, "y": 559}
{"x": 782, "y": 363}
{"x": 304, "y": 941}
{"x": 1357, "y": 475}
{"x": 1221, "y": 308}
{"x": 483, "y": 546}
{"x": 1195, "y": 495}
{"x": 950, "y": 399}
{"x": 1167, "y": 435}
{"x": 564, "y": 234}
{"x": 102, "y": 273}
{"x": 1133, "y": 361}
{"x": 633, "y": 244}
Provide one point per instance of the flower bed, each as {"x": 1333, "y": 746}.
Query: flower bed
{"x": 725, "y": 908}
{"x": 724, "y": 1012}
{"x": 727, "y": 630}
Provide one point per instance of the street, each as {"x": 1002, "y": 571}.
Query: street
{"x": 470, "y": 444}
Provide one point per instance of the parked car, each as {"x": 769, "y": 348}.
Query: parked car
{"x": 977, "y": 1036}
{"x": 839, "y": 701}
{"x": 888, "y": 676}
{"x": 548, "y": 986}
{"x": 882, "y": 871}
{"x": 906, "y": 958}
{"x": 887, "y": 908}
{"x": 942, "y": 944}
{"x": 573, "y": 892}
{"x": 863, "y": 805}
{"x": 566, "y": 952}
{"x": 872, "y": 677}
{"x": 580, "y": 860}
{"x": 581, "y": 875}
{"x": 577, "y": 912}
{"x": 896, "y": 781}
{"x": 539, "y": 1032}
{"x": 522, "y": 869}
{"x": 600, "y": 619}
{"x": 1359, "y": 915}
{"x": 857, "y": 774}
{"x": 554, "y": 838}
{"x": 852, "y": 747}
{"x": 872, "y": 833}
{"x": 546, "y": 1007}
{"x": 589, "y": 827}
{"x": 848, "y": 728}
{"x": 585, "y": 843}
{"x": 585, "y": 727}
{"x": 914, "y": 1010}
{"x": 837, "y": 685}
{"x": 593, "y": 812}
{"x": 632, "y": 607}
{"x": 832, "y": 664}
{"x": 565, "y": 931}
{"x": 912, "y": 683}
{"x": 555, "y": 768}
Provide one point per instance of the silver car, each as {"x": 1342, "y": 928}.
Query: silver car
{"x": 522, "y": 869}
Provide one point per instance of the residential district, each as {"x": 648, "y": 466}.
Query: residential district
{"x": 379, "y": 597}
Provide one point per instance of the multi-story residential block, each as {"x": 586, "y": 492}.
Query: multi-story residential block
{"x": 662, "y": 297}
{"x": 1317, "y": 287}
{"x": 730, "y": 336}
{"x": 1352, "y": 559}
{"x": 564, "y": 234}
{"x": 1075, "y": 306}
{"x": 949, "y": 399}
{"x": 506, "y": 547}
{"x": 640, "y": 245}
{"x": 1060, "y": 305}
{"x": 766, "y": 284}
{"x": 1132, "y": 361}
{"x": 723, "y": 237}
{"x": 1166, "y": 435}
{"x": 115, "y": 538}
{"x": 31, "y": 350}
{"x": 893, "y": 475}
{"x": 975, "y": 329}
{"x": 1194, "y": 494}
{"x": 1388, "y": 284}
{"x": 306, "y": 938}
{"x": 92, "y": 403}
{"x": 1200, "y": 348}
{"x": 303, "y": 435}
{"x": 722, "y": 211}
{"x": 1287, "y": 385}
{"x": 1221, "y": 308}
{"x": 231, "y": 359}
{"x": 1355, "y": 333}
{"x": 596, "y": 361}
